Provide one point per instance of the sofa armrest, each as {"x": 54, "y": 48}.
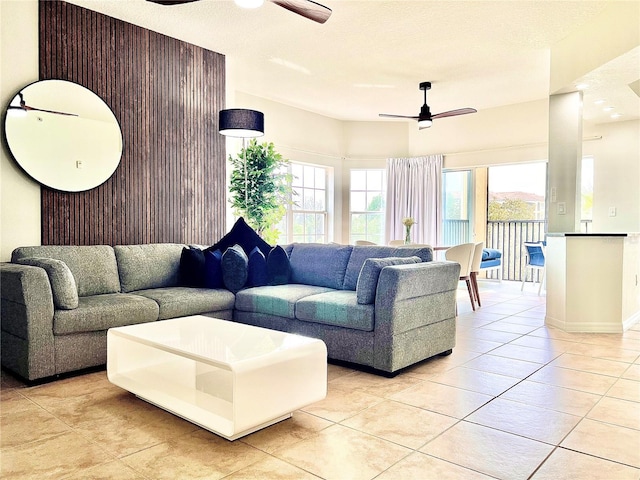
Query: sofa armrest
{"x": 411, "y": 296}
{"x": 26, "y": 312}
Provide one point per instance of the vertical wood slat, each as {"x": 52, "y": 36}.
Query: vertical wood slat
{"x": 166, "y": 95}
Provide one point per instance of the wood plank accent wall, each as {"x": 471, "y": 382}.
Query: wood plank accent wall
{"x": 170, "y": 185}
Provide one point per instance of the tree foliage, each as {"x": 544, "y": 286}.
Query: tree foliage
{"x": 263, "y": 199}
{"x": 511, "y": 209}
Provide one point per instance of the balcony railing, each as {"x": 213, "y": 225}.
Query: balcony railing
{"x": 509, "y": 237}
{"x": 456, "y": 232}
{"x": 506, "y": 236}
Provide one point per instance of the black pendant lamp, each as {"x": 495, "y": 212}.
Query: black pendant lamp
{"x": 242, "y": 123}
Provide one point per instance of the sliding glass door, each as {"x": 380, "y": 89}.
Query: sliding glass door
{"x": 457, "y": 206}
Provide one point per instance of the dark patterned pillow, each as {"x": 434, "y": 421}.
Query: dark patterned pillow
{"x": 192, "y": 267}
{"x": 257, "y": 269}
{"x": 63, "y": 285}
{"x": 243, "y": 235}
{"x": 368, "y": 279}
{"x": 235, "y": 268}
{"x": 278, "y": 266}
{"x": 213, "y": 269}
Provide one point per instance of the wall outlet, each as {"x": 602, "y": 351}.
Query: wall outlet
{"x": 562, "y": 208}
{"x": 612, "y": 211}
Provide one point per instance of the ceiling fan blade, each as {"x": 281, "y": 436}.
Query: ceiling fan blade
{"x": 26, "y": 108}
{"x": 389, "y": 115}
{"x": 171, "y": 2}
{"x": 307, "y": 8}
{"x": 453, "y": 113}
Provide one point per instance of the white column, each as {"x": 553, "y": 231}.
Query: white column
{"x": 565, "y": 158}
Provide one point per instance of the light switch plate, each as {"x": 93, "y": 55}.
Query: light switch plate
{"x": 612, "y": 211}
{"x": 562, "y": 208}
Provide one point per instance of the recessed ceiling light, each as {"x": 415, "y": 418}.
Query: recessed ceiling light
{"x": 249, "y": 3}
{"x": 599, "y": 102}
{"x": 581, "y": 86}
{"x": 616, "y": 115}
{"x": 607, "y": 109}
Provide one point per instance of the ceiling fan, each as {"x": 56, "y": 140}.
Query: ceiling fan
{"x": 23, "y": 107}
{"x": 307, "y": 8}
{"x": 425, "y": 118}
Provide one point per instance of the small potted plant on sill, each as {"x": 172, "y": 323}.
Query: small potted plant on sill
{"x": 260, "y": 188}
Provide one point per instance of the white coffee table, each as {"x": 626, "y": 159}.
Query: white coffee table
{"x": 227, "y": 377}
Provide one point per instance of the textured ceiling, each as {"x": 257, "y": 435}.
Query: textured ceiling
{"x": 371, "y": 55}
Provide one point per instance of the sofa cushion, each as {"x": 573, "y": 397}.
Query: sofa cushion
{"x": 490, "y": 263}
{"x": 94, "y": 267}
{"x": 63, "y": 285}
{"x": 278, "y": 266}
{"x": 257, "y": 269}
{"x": 361, "y": 252}
{"x": 101, "y": 312}
{"x": 279, "y": 300}
{"x": 243, "y": 235}
{"x": 491, "y": 254}
{"x": 368, "y": 279}
{"x": 339, "y": 308}
{"x": 183, "y": 301}
{"x": 148, "y": 265}
{"x": 323, "y": 265}
{"x": 358, "y": 255}
{"x": 213, "y": 269}
{"x": 235, "y": 268}
{"x": 192, "y": 267}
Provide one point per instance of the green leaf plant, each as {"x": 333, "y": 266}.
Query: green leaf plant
{"x": 263, "y": 200}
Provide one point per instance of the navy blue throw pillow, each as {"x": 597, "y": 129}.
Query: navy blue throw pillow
{"x": 235, "y": 268}
{"x": 278, "y": 266}
{"x": 192, "y": 266}
{"x": 243, "y": 235}
{"x": 257, "y": 269}
{"x": 213, "y": 269}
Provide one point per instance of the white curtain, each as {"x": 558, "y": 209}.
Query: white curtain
{"x": 414, "y": 189}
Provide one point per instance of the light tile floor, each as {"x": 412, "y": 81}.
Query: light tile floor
{"x": 515, "y": 400}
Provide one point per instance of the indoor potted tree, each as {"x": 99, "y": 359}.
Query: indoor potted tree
{"x": 260, "y": 188}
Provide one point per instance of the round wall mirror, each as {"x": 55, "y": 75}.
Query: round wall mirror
{"x": 63, "y": 135}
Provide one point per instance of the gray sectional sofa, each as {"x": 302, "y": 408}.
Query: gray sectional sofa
{"x": 57, "y": 303}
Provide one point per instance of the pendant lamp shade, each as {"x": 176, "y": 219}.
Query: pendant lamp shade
{"x": 240, "y": 122}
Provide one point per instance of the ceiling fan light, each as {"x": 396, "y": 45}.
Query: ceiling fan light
{"x": 249, "y": 3}
{"x": 424, "y": 123}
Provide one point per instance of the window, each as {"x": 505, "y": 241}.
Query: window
{"x": 456, "y": 187}
{"x": 367, "y": 205}
{"x": 307, "y": 220}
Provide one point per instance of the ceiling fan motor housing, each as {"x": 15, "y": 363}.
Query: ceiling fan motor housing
{"x": 425, "y": 113}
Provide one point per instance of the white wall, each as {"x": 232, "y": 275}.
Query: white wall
{"x": 616, "y": 176}
{"x": 19, "y": 195}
